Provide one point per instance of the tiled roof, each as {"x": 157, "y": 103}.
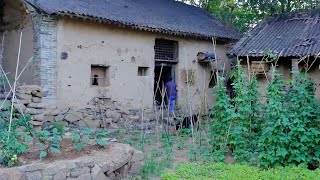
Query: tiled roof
{"x": 294, "y": 35}
{"x": 164, "y": 16}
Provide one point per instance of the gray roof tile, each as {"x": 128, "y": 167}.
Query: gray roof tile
{"x": 293, "y": 35}
{"x": 166, "y": 16}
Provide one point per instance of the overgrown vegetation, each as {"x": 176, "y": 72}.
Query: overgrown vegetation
{"x": 279, "y": 131}
{"x": 13, "y": 143}
{"x": 291, "y": 135}
{"x": 235, "y": 172}
{"x": 283, "y": 131}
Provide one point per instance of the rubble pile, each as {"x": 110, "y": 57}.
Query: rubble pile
{"x": 99, "y": 113}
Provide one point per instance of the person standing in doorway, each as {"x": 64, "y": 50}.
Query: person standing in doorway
{"x": 171, "y": 90}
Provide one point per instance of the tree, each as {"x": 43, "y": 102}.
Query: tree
{"x": 244, "y": 14}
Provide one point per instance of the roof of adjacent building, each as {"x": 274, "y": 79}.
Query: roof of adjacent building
{"x": 164, "y": 16}
{"x": 290, "y": 35}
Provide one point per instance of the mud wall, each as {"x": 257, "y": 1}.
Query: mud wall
{"x": 16, "y": 21}
{"x": 83, "y": 44}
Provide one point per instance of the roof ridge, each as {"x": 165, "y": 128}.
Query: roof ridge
{"x": 164, "y": 16}
{"x": 282, "y": 33}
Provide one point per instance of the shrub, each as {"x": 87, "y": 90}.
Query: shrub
{"x": 13, "y": 143}
{"x": 292, "y": 135}
{"x": 238, "y": 172}
{"x": 235, "y": 125}
{"x": 221, "y": 122}
{"x": 284, "y": 131}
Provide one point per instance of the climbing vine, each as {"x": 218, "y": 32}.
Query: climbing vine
{"x": 282, "y": 131}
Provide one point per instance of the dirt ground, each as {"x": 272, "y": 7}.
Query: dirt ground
{"x": 67, "y": 151}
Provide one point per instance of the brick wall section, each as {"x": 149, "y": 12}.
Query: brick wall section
{"x": 45, "y": 40}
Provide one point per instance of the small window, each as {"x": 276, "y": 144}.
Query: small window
{"x": 166, "y": 50}
{"x": 99, "y": 75}
{"x": 213, "y": 79}
{"x": 143, "y": 71}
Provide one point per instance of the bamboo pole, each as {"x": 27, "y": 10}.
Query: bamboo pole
{"x": 2, "y": 49}
{"x": 188, "y": 95}
{"x": 14, "y": 87}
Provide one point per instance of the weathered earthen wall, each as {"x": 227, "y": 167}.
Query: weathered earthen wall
{"x": 17, "y": 21}
{"x": 122, "y": 51}
{"x": 283, "y": 66}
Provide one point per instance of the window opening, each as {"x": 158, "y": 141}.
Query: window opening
{"x": 166, "y": 50}
{"x": 143, "y": 71}
{"x": 99, "y": 75}
{"x": 213, "y": 79}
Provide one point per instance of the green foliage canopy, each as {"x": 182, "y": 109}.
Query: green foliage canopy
{"x": 244, "y": 14}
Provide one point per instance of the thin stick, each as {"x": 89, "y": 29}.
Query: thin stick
{"x": 2, "y": 49}
{"x": 313, "y": 62}
{"x": 14, "y": 86}
{"x": 249, "y": 70}
{"x": 188, "y": 95}
{"x": 7, "y": 96}
{"x": 142, "y": 119}
{"x": 19, "y": 104}
{"x": 154, "y": 100}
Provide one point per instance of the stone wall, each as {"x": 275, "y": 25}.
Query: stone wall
{"x": 118, "y": 162}
{"x": 99, "y": 113}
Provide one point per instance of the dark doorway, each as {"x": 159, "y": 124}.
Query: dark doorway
{"x": 162, "y": 72}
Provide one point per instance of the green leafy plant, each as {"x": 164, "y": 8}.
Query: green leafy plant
{"x": 86, "y": 136}
{"x": 291, "y": 135}
{"x": 51, "y": 138}
{"x": 14, "y": 142}
{"x": 235, "y": 122}
{"x": 100, "y": 136}
{"x": 222, "y": 112}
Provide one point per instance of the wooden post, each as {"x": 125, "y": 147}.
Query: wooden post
{"x": 295, "y": 66}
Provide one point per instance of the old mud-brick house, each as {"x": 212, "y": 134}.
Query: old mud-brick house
{"x": 293, "y": 39}
{"x": 116, "y": 50}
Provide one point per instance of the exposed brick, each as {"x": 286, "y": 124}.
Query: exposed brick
{"x": 45, "y": 40}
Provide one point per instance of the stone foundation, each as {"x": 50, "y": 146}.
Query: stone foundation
{"x": 99, "y": 113}
{"x": 120, "y": 161}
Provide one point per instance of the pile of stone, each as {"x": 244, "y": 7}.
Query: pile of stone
{"x": 99, "y": 113}
{"x": 29, "y": 101}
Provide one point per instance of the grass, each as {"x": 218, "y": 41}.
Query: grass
{"x": 165, "y": 152}
{"x": 221, "y": 171}
{"x": 176, "y": 157}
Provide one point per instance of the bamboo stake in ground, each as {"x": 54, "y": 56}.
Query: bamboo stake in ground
{"x": 154, "y": 101}
{"x": 14, "y": 86}
{"x": 188, "y": 96}
{"x": 2, "y": 49}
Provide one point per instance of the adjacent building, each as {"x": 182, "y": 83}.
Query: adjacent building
{"x": 292, "y": 39}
